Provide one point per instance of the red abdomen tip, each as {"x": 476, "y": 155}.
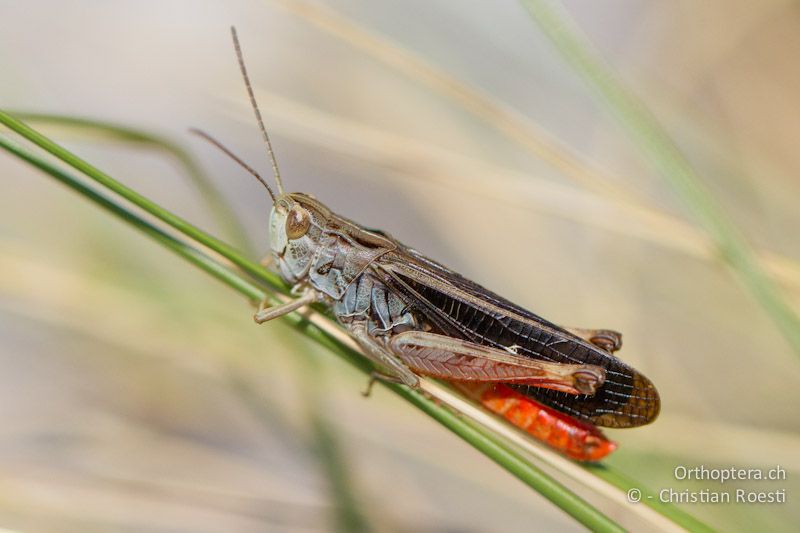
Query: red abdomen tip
{"x": 573, "y": 438}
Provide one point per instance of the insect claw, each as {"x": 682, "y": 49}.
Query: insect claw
{"x": 267, "y": 312}
{"x": 370, "y": 383}
{"x": 376, "y": 376}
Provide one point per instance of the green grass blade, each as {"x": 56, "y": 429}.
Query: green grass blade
{"x": 235, "y": 256}
{"x": 221, "y": 210}
{"x": 649, "y": 498}
{"x": 662, "y": 152}
{"x": 487, "y": 443}
{"x": 183, "y": 249}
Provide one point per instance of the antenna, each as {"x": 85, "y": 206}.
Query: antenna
{"x": 240, "y": 58}
{"x": 248, "y": 168}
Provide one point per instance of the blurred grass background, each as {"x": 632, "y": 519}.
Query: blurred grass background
{"x": 136, "y": 394}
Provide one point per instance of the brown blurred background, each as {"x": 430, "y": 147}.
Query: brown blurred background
{"x": 136, "y": 393}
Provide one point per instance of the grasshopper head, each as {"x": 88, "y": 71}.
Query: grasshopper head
{"x": 299, "y": 224}
{"x": 296, "y": 226}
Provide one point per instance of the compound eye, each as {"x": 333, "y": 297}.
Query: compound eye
{"x": 297, "y": 222}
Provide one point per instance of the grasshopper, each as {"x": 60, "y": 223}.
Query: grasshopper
{"x": 415, "y": 317}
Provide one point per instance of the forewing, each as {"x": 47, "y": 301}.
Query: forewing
{"x": 461, "y": 308}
